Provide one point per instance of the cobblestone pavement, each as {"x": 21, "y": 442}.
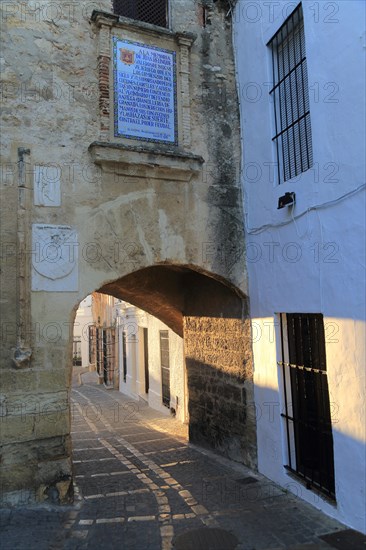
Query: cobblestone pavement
{"x": 139, "y": 485}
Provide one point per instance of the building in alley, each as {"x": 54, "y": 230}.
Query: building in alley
{"x": 135, "y": 353}
{"x": 301, "y": 82}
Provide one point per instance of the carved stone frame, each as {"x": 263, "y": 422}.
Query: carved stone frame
{"x": 110, "y": 25}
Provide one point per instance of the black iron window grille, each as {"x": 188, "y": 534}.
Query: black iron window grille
{"x": 124, "y": 356}
{"x": 109, "y": 338}
{"x": 105, "y": 354}
{"x": 99, "y": 348}
{"x": 146, "y": 359}
{"x": 92, "y": 344}
{"x": 165, "y": 367}
{"x": 76, "y": 352}
{"x": 149, "y": 11}
{"x": 307, "y": 408}
{"x": 290, "y": 94}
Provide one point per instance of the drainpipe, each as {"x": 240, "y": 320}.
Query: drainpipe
{"x": 22, "y": 353}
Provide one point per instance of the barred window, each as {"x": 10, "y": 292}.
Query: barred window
{"x": 290, "y": 94}
{"x": 76, "y": 352}
{"x": 92, "y": 344}
{"x": 149, "y": 11}
{"x": 307, "y": 415}
{"x": 165, "y": 366}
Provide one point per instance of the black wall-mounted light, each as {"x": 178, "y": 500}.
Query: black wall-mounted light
{"x": 287, "y": 199}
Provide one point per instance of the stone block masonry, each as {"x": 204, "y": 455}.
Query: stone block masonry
{"x": 157, "y": 204}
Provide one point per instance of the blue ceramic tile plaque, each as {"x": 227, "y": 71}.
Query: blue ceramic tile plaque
{"x": 145, "y": 94}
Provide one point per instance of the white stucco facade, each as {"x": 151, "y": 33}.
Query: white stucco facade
{"x": 83, "y": 319}
{"x": 309, "y": 258}
{"x": 132, "y": 321}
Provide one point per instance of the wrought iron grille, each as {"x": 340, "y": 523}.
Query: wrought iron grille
{"x": 76, "y": 352}
{"x": 146, "y": 359}
{"x": 124, "y": 354}
{"x": 105, "y": 353}
{"x": 109, "y": 339}
{"x": 307, "y": 408}
{"x": 92, "y": 344}
{"x": 99, "y": 349}
{"x": 149, "y": 11}
{"x": 165, "y": 367}
{"x": 290, "y": 94}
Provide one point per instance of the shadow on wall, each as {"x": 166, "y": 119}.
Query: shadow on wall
{"x": 219, "y": 415}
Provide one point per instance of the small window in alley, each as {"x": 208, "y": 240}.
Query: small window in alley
{"x": 290, "y": 97}
{"x": 149, "y": 11}
{"x": 165, "y": 366}
{"x": 76, "y": 352}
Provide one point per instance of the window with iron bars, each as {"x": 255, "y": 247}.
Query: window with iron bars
{"x": 290, "y": 95}
{"x": 306, "y": 413}
{"x": 76, "y": 352}
{"x": 165, "y": 366}
{"x": 149, "y": 11}
{"x": 92, "y": 344}
{"x": 124, "y": 356}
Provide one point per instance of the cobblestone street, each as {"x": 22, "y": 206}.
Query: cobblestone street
{"x": 139, "y": 485}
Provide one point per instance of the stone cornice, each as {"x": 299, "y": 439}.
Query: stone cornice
{"x": 144, "y": 162}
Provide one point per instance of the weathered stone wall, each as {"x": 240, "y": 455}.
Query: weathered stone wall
{"x": 219, "y": 368}
{"x": 218, "y": 349}
{"x": 129, "y": 206}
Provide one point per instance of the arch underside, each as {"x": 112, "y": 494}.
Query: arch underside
{"x": 171, "y": 293}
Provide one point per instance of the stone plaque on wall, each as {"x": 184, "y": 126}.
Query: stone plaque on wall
{"x": 54, "y": 258}
{"x": 145, "y": 92}
{"x": 47, "y": 185}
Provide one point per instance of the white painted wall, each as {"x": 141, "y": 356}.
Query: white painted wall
{"x": 133, "y": 320}
{"x": 83, "y": 320}
{"x": 309, "y": 260}
{"x": 177, "y": 377}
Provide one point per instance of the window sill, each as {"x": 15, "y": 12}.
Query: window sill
{"x": 313, "y": 489}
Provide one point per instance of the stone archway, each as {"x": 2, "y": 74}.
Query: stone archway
{"x": 119, "y": 207}
{"x": 212, "y": 317}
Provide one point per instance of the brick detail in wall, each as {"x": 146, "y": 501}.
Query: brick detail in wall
{"x": 104, "y": 96}
{"x": 104, "y": 60}
{"x": 185, "y": 91}
{"x": 103, "y": 69}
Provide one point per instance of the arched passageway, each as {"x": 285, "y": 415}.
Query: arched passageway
{"x": 212, "y": 317}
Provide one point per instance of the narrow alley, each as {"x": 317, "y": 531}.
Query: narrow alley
{"x": 140, "y": 485}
